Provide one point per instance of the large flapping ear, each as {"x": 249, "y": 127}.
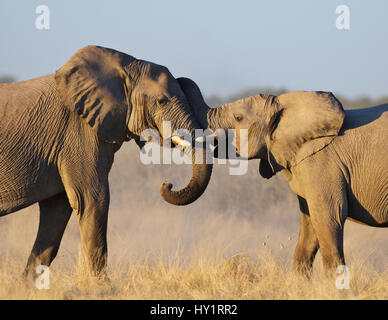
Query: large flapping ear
{"x": 95, "y": 84}
{"x": 302, "y": 123}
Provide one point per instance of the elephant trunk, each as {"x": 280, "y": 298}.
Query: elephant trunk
{"x": 218, "y": 118}
{"x": 201, "y": 173}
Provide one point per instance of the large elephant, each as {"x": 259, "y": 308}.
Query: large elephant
{"x": 59, "y": 134}
{"x": 335, "y": 161}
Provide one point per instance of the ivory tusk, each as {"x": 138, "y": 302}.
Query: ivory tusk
{"x": 179, "y": 141}
{"x": 203, "y": 138}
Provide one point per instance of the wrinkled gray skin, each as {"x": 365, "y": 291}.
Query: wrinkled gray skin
{"x": 59, "y": 134}
{"x": 335, "y": 161}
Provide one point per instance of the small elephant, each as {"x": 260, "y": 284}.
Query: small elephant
{"x": 335, "y": 161}
{"x": 59, "y": 134}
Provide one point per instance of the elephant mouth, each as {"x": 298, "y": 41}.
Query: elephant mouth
{"x": 220, "y": 148}
{"x": 225, "y": 149}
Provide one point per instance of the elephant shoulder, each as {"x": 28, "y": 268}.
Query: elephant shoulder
{"x": 312, "y": 147}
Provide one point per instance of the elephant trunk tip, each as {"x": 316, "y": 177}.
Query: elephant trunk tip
{"x": 201, "y": 173}
{"x": 174, "y": 197}
{"x": 165, "y": 186}
{"x": 186, "y": 195}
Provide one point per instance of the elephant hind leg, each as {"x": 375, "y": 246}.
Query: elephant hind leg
{"x": 55, "y": 213}
{"x": 307, "y": 245}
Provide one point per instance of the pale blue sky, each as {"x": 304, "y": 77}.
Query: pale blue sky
{"x": 224, "y": 46}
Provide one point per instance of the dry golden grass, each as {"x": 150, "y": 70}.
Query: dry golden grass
{"x": 239, "y": 277}
{"x": 212, "y": 249}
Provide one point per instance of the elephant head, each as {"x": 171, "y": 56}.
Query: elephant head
{"x": 119, "y": 96}
{"x": 282, "y": 130}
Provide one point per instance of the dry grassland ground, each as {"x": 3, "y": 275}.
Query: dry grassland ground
{"x": 235, "y": 242}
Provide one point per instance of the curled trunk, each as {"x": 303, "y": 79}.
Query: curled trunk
{"x": 201, "y": 173}
{"x": 208, "y": 118}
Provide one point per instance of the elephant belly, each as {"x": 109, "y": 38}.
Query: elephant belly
{"x": 372, "y": 216}
{"x": 362, "y": 148}
{"x": 368, "y": 198}
{"x": 32, "y": 126}
{"x": 22, "y": 188}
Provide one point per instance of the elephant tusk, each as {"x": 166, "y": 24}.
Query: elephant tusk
{"x": 179, "y": 141}
{"x": 202, "y": 139}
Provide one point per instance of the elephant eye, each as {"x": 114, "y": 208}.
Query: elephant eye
{"x": 162, "y": 101}
{"x": 238, "y": 117}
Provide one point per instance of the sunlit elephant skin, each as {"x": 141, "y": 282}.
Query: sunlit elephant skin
{"x": 59, "y": 134}
{"x": 335, "y": 161}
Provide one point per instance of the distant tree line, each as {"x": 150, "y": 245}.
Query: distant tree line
{"x": 215, "y": 101}
{"x": 6, "y": 79}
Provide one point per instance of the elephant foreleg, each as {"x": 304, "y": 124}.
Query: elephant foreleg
{"x": 307, "y": 245}
{"x": 87, "y": 187}
{"x": 55, "y": 213}
{"x": 93, "y": 219}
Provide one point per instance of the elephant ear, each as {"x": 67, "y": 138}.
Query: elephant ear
{"x": 301, "y": 124}
{"x": 94, "y": 83}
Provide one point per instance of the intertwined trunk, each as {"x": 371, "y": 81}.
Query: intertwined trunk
{"x": 217, "y": 118}
{"x": 201, "y": 173}
{"x": 208, "y": 118}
